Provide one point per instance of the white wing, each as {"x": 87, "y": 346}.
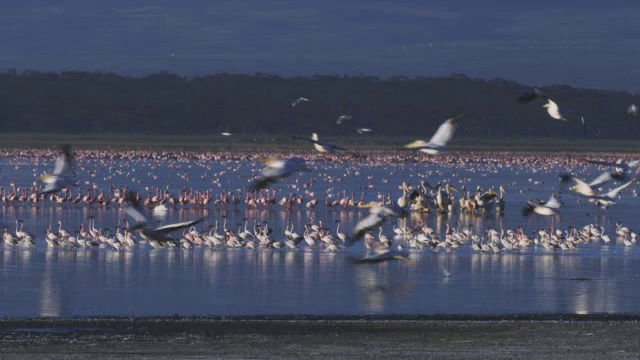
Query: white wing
{"x": 582, "y": 188}
{"x": 135, "y": 214}
{"x": 444, "y": 133}
{"x": 173, "y": 227}
{"x": 553, "y": 110}
{"x": 633, "y": 163}
{"x": 553, "y": 203}
{"x": 62, "y": 165}
{"x": 603, "y": 178}
{"x": 543, "y": 210}
{"x": 614, "y": 192}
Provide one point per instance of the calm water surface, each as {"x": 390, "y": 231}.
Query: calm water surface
{"x": 595, "y": 278}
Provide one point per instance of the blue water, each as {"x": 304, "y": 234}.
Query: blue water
{"x": 595, "y": 278}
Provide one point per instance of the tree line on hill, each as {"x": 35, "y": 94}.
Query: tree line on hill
{"x": 261, "y": 104}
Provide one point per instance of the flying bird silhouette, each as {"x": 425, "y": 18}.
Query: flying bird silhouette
{"x": 62, "y": 175}
{"x": 277, "y": 170}
{"x": 298, "y": 101}
{"x": 160, "y": 234}
{"x": 439, "y": 140}
{"x": 554, "y": 111}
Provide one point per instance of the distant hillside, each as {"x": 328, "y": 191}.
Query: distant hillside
{"x": 78, "y": 102}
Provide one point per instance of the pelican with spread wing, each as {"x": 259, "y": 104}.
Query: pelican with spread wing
{"x": 439, "y": 140}
{"x": 584, "y": 189}
{"x": 160, "y": 234}
{"x": 277, "y": 170}
{"x": 62, "y": 175}
{"x": 554, "y": 111}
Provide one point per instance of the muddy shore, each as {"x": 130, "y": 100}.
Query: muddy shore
{"x": 529, "y": 337}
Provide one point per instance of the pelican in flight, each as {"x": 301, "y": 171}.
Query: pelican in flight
{"x": 548, "y": 208}
{"x": 608, "y": 197}
{"x": 343, "y": 118}
{"x": 62, "y": 175}
{"x": 321, "y": 146}
{"x": 619, "y": 166}
{"x": 620, "y": 172}
{"x": 226, "y": 134}
{"x": 632, "y": 110}
{"x": 554, "y": 111}
{"x": 377, "y": 216}
{"x": 361, "y": 131}
{"x": 277, "y": 170}
{"x": 439, "y": 140}
{"x": 161, "y": 233}
{"x": 298, "y": 101}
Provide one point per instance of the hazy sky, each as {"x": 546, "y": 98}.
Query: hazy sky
{"x": 584, "y": 43}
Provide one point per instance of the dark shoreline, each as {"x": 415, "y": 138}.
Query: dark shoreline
{"x": 337, "y": 336}
{"x": 4, "y": 321}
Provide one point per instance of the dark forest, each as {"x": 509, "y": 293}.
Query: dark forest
{"x": 163, "y": 103}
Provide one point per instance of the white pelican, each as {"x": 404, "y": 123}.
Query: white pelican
{"x": 548, "y": 208}
{"x": 226, "y": 134}
{"x": 377, "y": 216}
{"x": 342, "y": 118}
{"x": 62, "y": 175}
{"x": 553, "y": 110}
{"x": 439, "y": 140}
{"x": 632, "y": 110}
{"x": 298, "y": 101}
{"x": 278, "y": 169}
{"x": 605, "y": 199}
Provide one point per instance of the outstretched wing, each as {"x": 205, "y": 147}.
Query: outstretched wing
{"x": 141, "y": 221}
{"x": 173, "y": 227}
{"x": 582, "y": 188}
{"x": 444, "y": 133}
{"x": 614, "y": 192}
{"x": 64, "y": 162}
{"x": 605, "y": 177}
{"x": 633, "y": 163}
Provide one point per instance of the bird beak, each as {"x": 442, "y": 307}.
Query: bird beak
{"x": 546, "y": 105}
{"x": 450, "y": 187}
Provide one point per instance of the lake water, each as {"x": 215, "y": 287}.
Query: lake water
{"x": 42, "y": 281}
